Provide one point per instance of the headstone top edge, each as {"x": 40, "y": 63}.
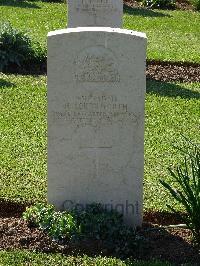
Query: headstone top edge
{"x": 119, "y": 2}
{"x": 98, "y": 29}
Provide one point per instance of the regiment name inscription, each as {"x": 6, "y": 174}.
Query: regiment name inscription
{"x": 95, "y": 111}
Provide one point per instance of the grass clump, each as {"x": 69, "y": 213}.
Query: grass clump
{"x": 23, "y": 257}
{"x": 16, "y": 48}
{"x": 93, "y": 223}
{"x": 187, "y": 193}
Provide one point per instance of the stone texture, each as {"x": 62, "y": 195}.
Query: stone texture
{"x": 96, "y": 90}
{"x": 95, "y": 13}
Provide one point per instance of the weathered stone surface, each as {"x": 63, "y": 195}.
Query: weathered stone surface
{"x": 96, "y": 89}
{"x": 95, "y": 13}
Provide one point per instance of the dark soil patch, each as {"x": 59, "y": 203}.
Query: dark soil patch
{"x": 156, "y": 70}
{"x": 30, "y": 68}
{"x": 184, "y": 5}
{"x": 180, "y": 4}
{"x": 132, "y": 3}
{"x": 11, "y": 209}
{"x": 171, "y": 71}
{"x": 170, "y": 244}
{"x": 162, "y": 218}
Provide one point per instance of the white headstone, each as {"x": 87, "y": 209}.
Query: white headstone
{"x": 96, "y": 90}
{"x": 95, "y": 13}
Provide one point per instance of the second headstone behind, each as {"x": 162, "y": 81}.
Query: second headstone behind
{"x": 95, "y": 13}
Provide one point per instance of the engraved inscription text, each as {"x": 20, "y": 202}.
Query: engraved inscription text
{"x": 96, "y": 64}
{"x": 95, "y": 5}
{"x": 94, "y": 110}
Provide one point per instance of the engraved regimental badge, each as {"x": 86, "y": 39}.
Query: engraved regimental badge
{"x": 96, "y": 64}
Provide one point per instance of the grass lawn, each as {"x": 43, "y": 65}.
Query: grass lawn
{"x": 172, "y": 35}
{"x": 23, "y": 135}
{"x": 172, "y": 109}
{"x": 21, "y": 258}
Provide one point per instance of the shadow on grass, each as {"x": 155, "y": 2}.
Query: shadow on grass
{"x": 11, "y": 208}
{"x": 18, "y": 3}
{"x": 166, "y": 89}
{"x": 5, "y": 83}
{"x": 143, "y": 12}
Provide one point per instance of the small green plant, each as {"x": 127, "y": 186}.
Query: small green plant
{"x": 107, "y": 225}
{"x": 187, "y": 194}
{"x": 93, "y": 223}
{"x": 16, "y": 47}
{"x": 196, "y": 4}
{"x": 58, "y": 225}
{"x": 159, "y": 3}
